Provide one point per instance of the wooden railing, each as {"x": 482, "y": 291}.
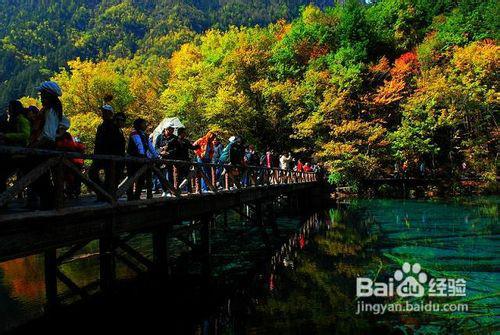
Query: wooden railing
{"x": 185, "y": 177}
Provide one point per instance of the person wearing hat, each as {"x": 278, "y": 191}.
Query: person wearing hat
{"x": 52, "y": 114}
{"x": 66, "y": 142}
{"x": 167, "y": 142}
{"x": 167, "y": 145}
{"x": 44, "y": 137}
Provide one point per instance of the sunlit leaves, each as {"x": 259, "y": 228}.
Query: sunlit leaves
{"x": 355, "y": 87}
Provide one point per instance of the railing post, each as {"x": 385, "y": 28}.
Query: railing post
{"x": 192, "y": 179}
{"x": 59, "y": 185}
{"x": 160, "y": 250}
{"x": 197, "y": 180}
{"x": 50, "y": 267}
{"x": 112, "y": 179}
{"x": 149, "y": 183}
{"x": 106, "y": 258}
{"x": 258, "y": 214}
{"x": 205, "y": 247}
{"x": 214, "y": 176}
{"x": 175, "y": 175}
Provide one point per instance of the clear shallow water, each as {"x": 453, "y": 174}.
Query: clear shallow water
{"x": 302, "y": 279}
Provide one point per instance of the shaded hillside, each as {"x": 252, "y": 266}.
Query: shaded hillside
{"x": 38, "y": 37}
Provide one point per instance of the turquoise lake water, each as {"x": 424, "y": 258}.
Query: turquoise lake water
{"x": 301, "y": 279}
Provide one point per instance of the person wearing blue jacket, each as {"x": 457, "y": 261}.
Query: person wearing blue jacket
{"x": 139, "y": 145}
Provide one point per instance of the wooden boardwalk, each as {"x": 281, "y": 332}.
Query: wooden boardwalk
{"x": 27, "y": 233}
{"x": 62, "y": 231}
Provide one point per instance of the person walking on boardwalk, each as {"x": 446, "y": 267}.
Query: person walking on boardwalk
{"x": 66, "y": 142}
{"x": 166, "y": 144}
{"x": 218, "y": 147}
{"x": 45, "y": 138}
{"x": 109, "y": 140}
{"x": 204, "y": 154}
{"x": 18, "y": 129}
{"x": 237, "y": 159}
{"x": 17, "y": 133}
{"x": 286, "y": 161}
{"x": 140, "y": 146}
{"x": 52, "y": 115}
{"x": 225, "y": 159}
{"x": 182, "y": 154}
{"x": 268, "y": 160}
{"x": 251, "y": 156}
{"x": 300, "y": 166}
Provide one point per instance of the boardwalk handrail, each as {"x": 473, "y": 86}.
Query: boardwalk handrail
{"x": 215, "y": 177}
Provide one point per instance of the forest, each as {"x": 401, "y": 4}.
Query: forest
{"x": 37, "y": 37}
{"x": 358, "y": 87}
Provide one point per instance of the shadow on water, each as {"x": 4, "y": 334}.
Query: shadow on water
{"x": 297, "y": 279}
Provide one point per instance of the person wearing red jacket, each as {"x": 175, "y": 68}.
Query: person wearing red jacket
{"x": 66, "y": 142}
{"x": 300, "y": 166}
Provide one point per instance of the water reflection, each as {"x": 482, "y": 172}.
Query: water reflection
{"x": 373, "y": 238}
{"x": 301, "y": 280}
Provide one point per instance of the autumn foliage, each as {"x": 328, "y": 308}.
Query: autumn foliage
{"x": 358, "y": 88}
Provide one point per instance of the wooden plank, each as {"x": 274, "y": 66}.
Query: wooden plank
{"x": 71, "y": 285}
{"x": 240, "y": 213}
{"x": 131, "y": 265}
{"x": 160, "y": 248}
{"x": 186, "y": 241}
{"x": 90, "y": 183}
{"x": 112, "y": 179}
{"x": 206, "y": 179}
{"x": 26, "y": 180}
{"x": 29, "y": 233}
{"x": 50, "y": 266}
{"x": 165, "y": 184}
{"x": 58, "y": 179}
{"x": 134, "y": 253}
{"x": 206, "y": 249}
{"x": 70, "y": 252}
{"x": 123, "y": 188}
{"x": 107, "y": 266}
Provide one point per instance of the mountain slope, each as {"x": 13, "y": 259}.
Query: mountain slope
{"x": 39, "y": 37}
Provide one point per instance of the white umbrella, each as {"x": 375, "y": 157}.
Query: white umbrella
{"x": 169, "y": 121}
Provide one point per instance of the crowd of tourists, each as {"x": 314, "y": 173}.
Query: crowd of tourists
{"x": 47, "y": 128}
